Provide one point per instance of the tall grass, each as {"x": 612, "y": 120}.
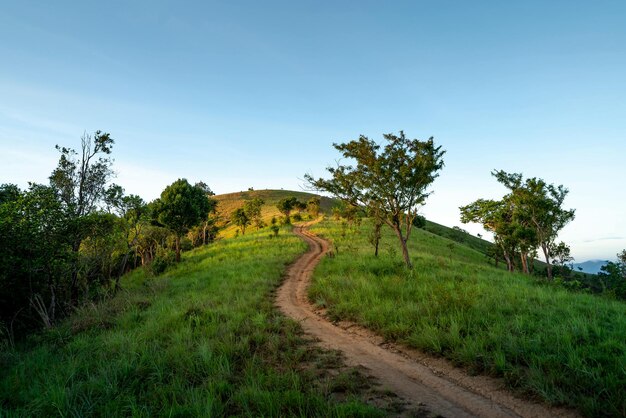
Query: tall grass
{"x": 551, "y": 344}
{"x": 201, "y": 340}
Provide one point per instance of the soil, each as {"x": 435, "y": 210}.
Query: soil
{"x": 422, "y": 381}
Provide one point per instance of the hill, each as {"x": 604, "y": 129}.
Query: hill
{"x": 564, "y": 347}
{"x": 590, "y": 266}
{"x": 201, "y": 340}
{"x": 227, "y": 203}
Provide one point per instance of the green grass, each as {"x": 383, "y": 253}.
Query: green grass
{"x": 461, "y": 237}
{"x": 551, "y": 344}
{"x": 201, "y": 340}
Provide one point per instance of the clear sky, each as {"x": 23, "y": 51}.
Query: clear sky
{"x": 253, "y": 94}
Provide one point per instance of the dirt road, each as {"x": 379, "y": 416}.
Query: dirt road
{"x": 417, "y": 378}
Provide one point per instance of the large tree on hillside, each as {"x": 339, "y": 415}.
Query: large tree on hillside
{"x": 391, "y": 181}
{"x": 180, "y": 207}
{"x": 81, "y": 180}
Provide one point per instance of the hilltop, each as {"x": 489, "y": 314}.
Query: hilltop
{"x": 229, "y": 202}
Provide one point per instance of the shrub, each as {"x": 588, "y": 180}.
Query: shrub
{"x": 163, "y": 259}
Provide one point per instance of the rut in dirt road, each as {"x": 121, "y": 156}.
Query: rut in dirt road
{"x": 411, "y": 375}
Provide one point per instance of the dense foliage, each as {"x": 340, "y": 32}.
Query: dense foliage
{"x": 69, "y": 242}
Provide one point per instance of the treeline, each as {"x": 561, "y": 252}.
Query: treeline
{"x": 70, "y": 241}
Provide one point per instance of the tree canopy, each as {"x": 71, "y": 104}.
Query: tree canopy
{"x": 392, "y": 181}
{"x": 286, "y": 205}
{"x": 180, "y": 207}
{"x": 530, "y": 216}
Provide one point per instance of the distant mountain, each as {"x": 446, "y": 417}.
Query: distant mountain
{"x": 591, "y": 266}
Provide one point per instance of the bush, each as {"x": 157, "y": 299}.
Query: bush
{"x": 163, "y": 259}
{"x": 297, "y": 217}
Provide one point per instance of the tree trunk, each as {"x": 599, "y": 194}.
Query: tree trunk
{"x": 377, "y": 228}
{"x": 509, "y": 263}
{"x": 405, "y": 250}
{"x": 524, "y": 259}
{"x": 544, "y": 248}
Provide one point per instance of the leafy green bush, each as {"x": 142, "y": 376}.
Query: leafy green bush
{"x": 163, "y": 259}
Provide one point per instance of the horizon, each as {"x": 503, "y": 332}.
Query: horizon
{"x": 243, "y": 96}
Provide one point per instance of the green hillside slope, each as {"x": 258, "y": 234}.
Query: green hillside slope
{"x": 563, "y": 347}
{"x": 228, "y": 203}
{"x": 202, "y": 340}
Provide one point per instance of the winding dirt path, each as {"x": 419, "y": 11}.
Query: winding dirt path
{"x": 417, "y": 378}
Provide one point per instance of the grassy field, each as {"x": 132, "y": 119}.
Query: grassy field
{"x": 551, "y": 344}
{"x": 227, "y": 203}
{"x": 461, "y": 237}
{"x": 201, "y": 340}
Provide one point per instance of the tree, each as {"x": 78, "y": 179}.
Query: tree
{"x": 392, "y": 181}
{"x": 286, "y": 205}
{"x": 241, "y": 219}
{"x": 209, "y": 228}
{"x": 538, "y": 206}
{"x": 541, "y": 205}
{"x": 495, "y": 216}
{"x": 205, "y": 188}
{"x": 35, "y": 255}
{"x": 528, "y": 217}
{"x": 252, "y": 209}
{"x": 180, "y": 207}
{"x": 133, "y": 211}
{"x": 561, "y": 259}
{"x": 313, "y": 206}
{"x": 81, "y": 182}
{"x": 613, "y": 276}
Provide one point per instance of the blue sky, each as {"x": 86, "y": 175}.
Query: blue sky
{"x": 253, "y": 94}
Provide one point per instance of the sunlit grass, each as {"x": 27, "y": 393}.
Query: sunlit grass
{"x": 562, "y": 347}
{"x": 201, "y": 340}
{"x": 227, "y": 203}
